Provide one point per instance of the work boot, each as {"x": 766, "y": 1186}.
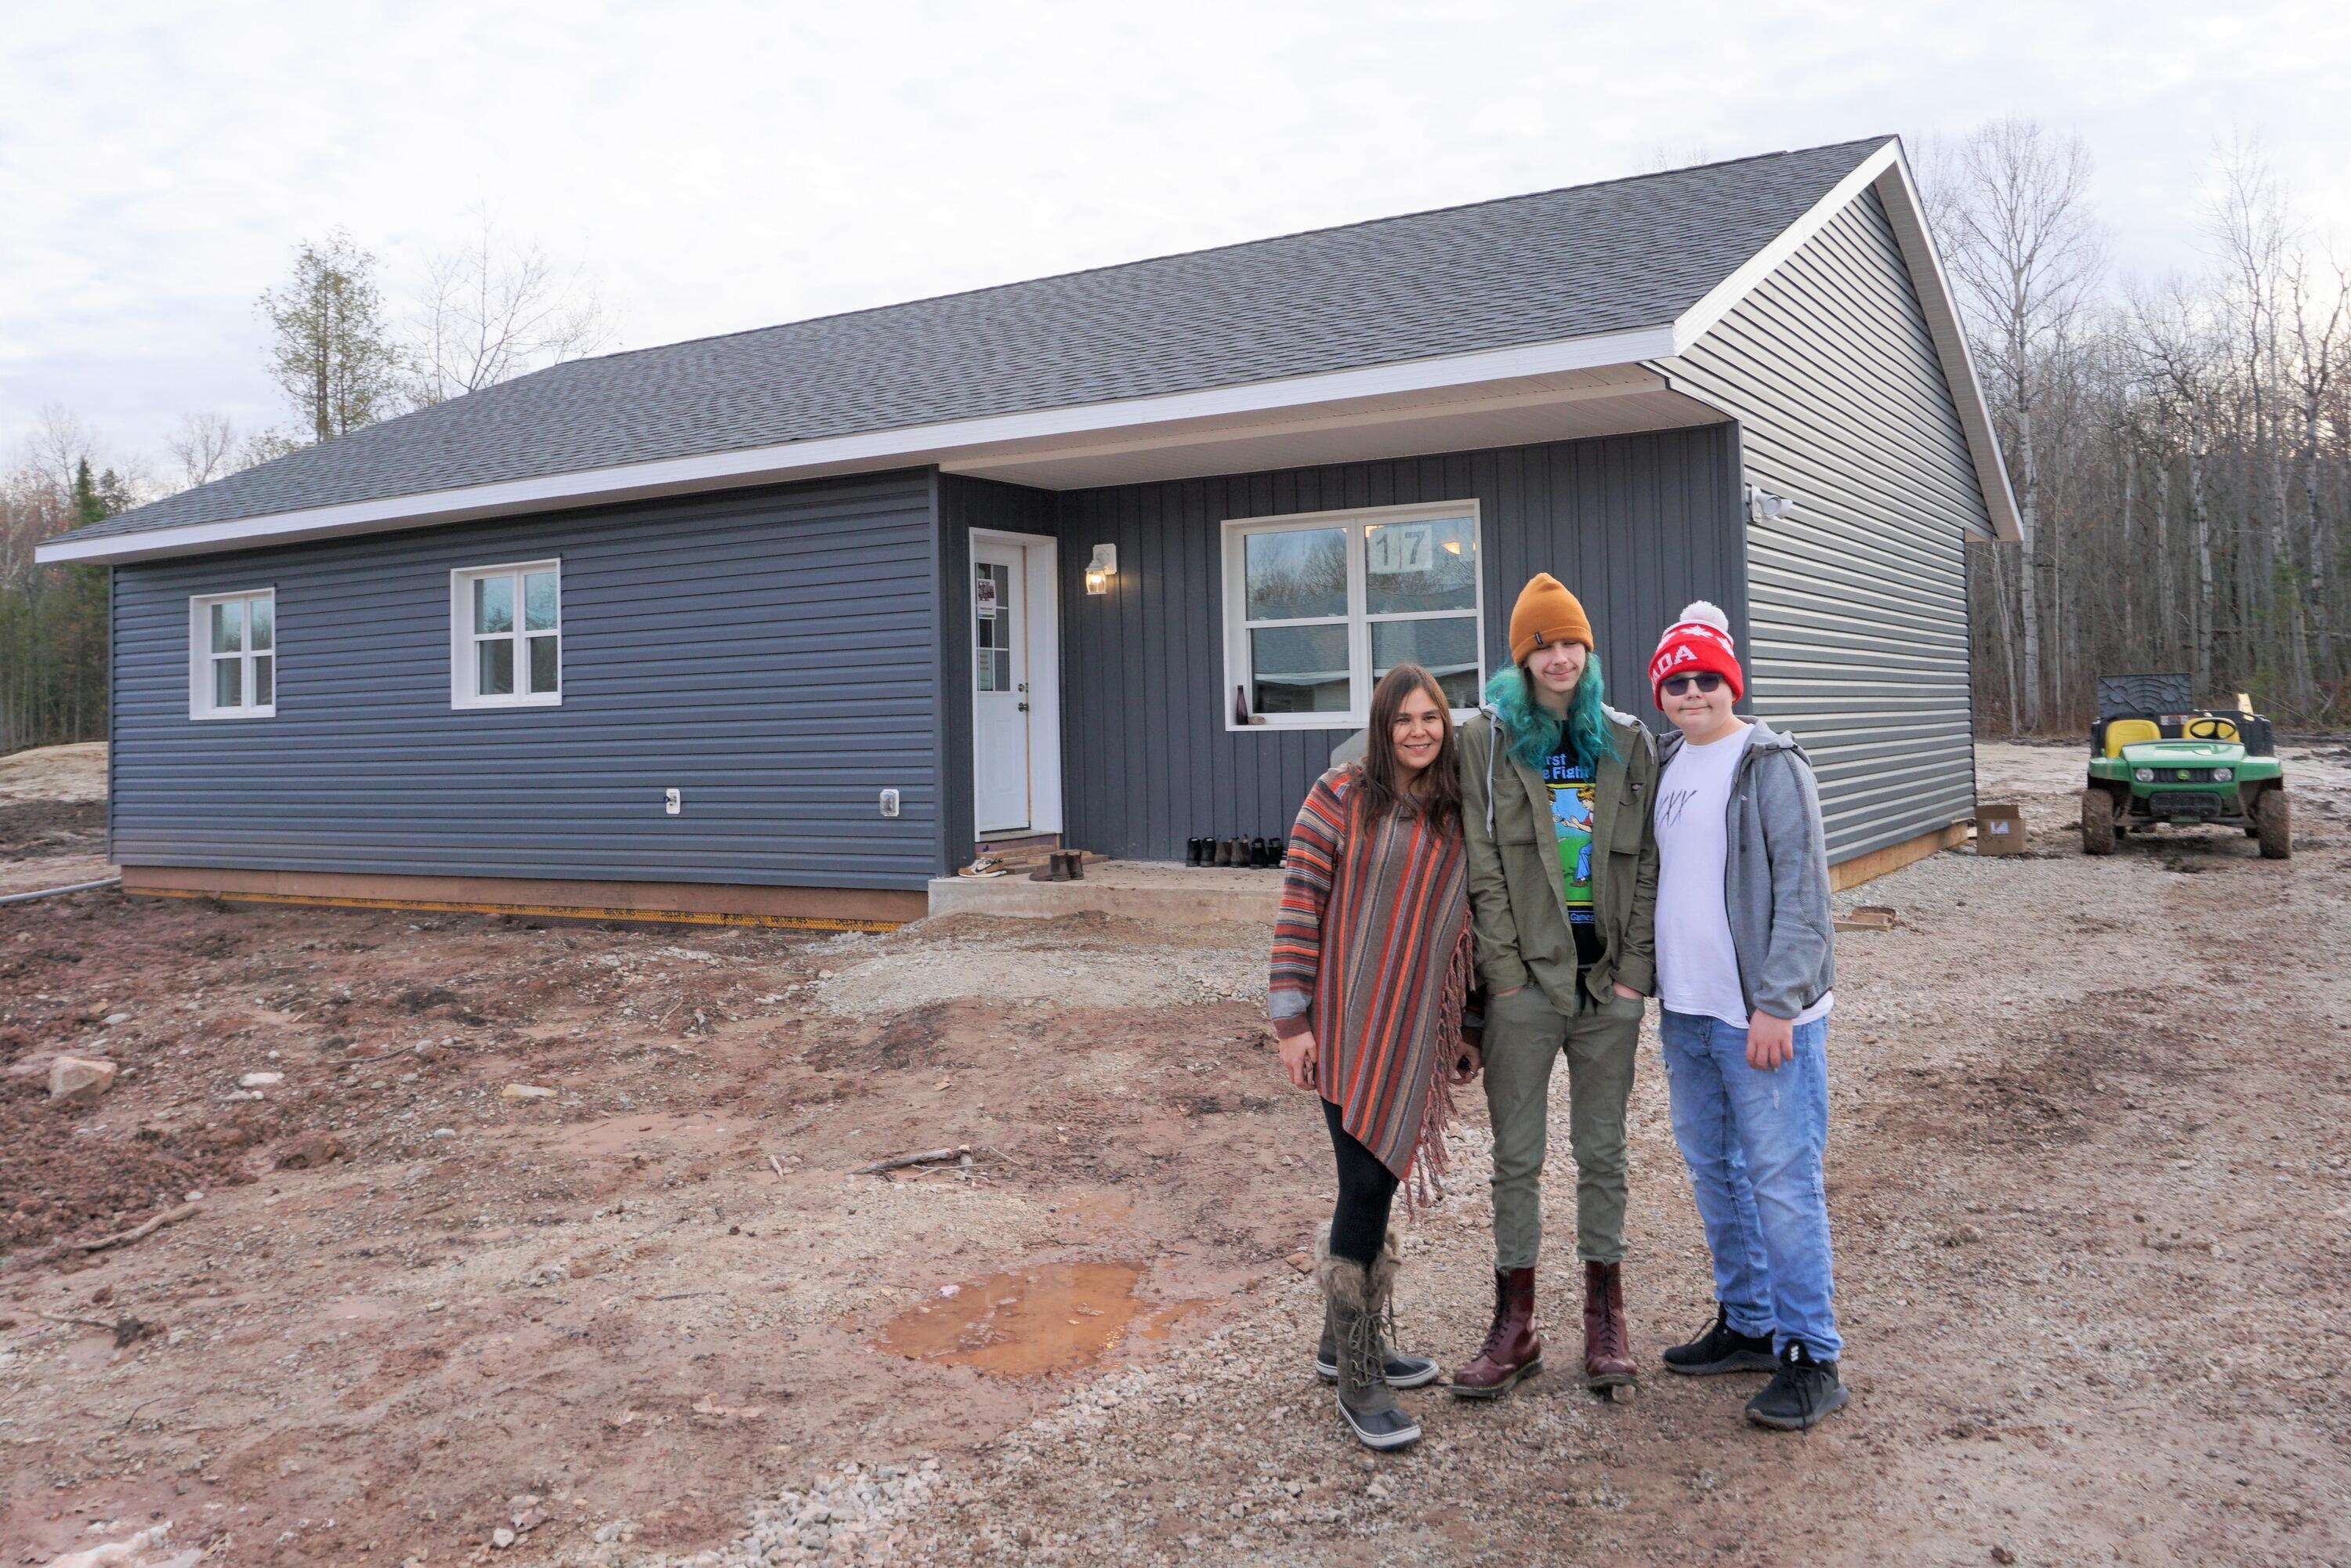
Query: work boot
{"x": 1721, "y": 1349}
{"x": 1511, "y": 1351}
{"x": 1355, "y": 1299}
{"x": 1607, "y": 1343}
{"x": 1801, "y": 1393}
{"x": 1401, "y": 1371}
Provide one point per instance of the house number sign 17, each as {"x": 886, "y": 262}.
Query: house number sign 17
{"x": 1399, "y": 548}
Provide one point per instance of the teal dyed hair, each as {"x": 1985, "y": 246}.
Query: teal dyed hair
{"x": 1535, "y": 734}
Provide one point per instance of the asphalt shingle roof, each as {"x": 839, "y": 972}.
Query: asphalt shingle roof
{"x": 1570, "y": 263}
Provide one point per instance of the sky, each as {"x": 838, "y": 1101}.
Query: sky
{"x": 714, "y": 167}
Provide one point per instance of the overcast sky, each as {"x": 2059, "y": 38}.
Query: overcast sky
{"x": 717, "y": 167}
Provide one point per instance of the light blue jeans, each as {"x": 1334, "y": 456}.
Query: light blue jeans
{"x": 1754, "y": 1142}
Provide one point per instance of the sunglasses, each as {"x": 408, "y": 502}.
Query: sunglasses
{"x": 1675, "y": 686}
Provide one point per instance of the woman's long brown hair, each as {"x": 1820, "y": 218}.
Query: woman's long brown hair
{"x": 1440, "y": 794}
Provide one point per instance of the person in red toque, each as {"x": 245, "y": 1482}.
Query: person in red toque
{"x": 1743, "y": 976}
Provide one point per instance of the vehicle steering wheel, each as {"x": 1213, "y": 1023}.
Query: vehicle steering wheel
{"x": 2210, "y": 729}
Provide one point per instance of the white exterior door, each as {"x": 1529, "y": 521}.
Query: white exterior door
{"x": 1002, "y": 710}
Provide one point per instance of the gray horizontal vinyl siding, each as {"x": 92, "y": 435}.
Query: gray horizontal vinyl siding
{"x": 769, "y": 654}
{"x": 1857, "y": 599}
{"x": 1637, "y": 526}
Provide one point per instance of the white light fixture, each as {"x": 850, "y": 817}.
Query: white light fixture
{"x": 1101, "y": 569}
{"x": 1762, "y": 504}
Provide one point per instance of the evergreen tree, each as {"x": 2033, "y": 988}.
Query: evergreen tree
{"x": 334, "y": 355}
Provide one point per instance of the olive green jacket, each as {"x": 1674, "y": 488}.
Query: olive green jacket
{"x": 1518, "y": 890}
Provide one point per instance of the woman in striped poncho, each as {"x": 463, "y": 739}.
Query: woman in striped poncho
{"x": 1372, "y": 969}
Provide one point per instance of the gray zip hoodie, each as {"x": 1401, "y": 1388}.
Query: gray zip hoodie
{"x": 1775, "y": 874}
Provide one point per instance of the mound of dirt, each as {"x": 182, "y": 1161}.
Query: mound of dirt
{"x": 54, "y": 1183}
{"x": 36, "y": 830}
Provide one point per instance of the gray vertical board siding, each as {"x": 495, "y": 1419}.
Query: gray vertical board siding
{"x": 1858, "y": 637}
{"x": 1637, "y": 526}
{"x": 966, "y": 504}
{"x": 769, "y": 653}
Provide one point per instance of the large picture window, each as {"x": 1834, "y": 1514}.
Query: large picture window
{"x": 232, "y": 655}
{"x": 1318, "y": 608}
{"x": 505, "y": 635}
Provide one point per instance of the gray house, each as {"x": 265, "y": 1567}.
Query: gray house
{"x": 781, "y": 624}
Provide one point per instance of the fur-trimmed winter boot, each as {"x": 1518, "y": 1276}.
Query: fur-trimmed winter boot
{"x": 1402, "y": 1370}
{"x": 1354, "y": 1301}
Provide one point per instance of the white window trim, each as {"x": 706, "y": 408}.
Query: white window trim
{"x": 200, "y": 657}
{"x": 1357, "y": 620}
{"x": 461, "y": 681}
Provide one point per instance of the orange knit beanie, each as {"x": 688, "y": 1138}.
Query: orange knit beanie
{"x": 1546, "y": 613}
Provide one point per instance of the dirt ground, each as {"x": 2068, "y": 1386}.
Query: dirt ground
{"x": 2088, "y": 1177}
{"x": 53, "y": 816}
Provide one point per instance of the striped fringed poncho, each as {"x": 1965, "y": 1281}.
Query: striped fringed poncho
{"x": 1371, "y": 951}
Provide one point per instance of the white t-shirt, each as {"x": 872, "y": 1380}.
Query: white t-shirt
{"x": 1698, "y": 966}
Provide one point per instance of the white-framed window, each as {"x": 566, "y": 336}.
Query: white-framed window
{"x": 505, "y": 635}
{"x": 1318, "y": 607}
{"x": 233, "y": 654}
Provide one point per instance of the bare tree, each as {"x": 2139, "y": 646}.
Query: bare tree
{"x": 2010, "y": 214}
{"x": 2174, "y": 345}
{"x": 60, "y": 444}
{"x": 2248, "y": 226}
{"x": 204, "y": 447}
{"x": 494, "y": 310}
{"x": 2317, "y": 361}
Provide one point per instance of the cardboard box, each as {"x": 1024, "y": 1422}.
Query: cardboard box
{"x": 1999, "y": 827}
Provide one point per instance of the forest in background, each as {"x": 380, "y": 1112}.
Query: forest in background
{"x": 2177, "y": 446}
{"x": 2180, "y": 448}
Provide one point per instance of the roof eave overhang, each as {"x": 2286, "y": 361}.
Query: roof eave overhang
{"x": 972, "y": 443}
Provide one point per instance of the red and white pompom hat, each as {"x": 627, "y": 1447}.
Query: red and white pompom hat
{"x": 1699, "y": 641}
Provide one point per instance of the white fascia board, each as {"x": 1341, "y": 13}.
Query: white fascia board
{"x": 907, "y": 447}
{"x": 1908, "y": 216}
{"x": 1699, "y": 318}
{"x": 1888, "y": 171}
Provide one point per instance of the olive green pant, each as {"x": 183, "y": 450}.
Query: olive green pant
{"x": 1524, "y": 1034}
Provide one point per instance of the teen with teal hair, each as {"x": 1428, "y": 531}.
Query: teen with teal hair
{"x": 1555, "y": 794}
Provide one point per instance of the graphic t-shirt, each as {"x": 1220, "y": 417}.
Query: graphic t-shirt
{"x": 1698, "y": 966}
{"x": 1571, "y": 786}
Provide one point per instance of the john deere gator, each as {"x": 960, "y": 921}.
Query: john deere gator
{"x": 2157, "y": 761}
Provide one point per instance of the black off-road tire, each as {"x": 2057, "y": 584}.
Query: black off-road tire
{"x": 2097, "y": 822}
{"x": 2273, "y": 824}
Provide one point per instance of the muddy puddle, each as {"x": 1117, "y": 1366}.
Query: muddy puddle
{"x": 1053, "y": 1318}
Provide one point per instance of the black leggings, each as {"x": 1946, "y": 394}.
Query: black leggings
{"x": 1367, "y": 1188}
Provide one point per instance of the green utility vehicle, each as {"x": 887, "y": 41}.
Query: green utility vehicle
{"x": 2157, "y": 759}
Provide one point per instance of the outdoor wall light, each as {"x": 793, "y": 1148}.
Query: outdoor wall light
{"x": 1760, "y": 503}
{"x": 1101, "y": 569}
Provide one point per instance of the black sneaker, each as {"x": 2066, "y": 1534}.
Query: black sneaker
{"x": 1721, "y": 1349}
{"x": 1801, "y": 1393}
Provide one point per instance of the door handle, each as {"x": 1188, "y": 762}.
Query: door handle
{"x": 1024, "y": 708}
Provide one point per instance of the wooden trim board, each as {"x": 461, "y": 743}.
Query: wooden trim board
{"x": 1894, "y": 857}
{"x": 691, "y": 902}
